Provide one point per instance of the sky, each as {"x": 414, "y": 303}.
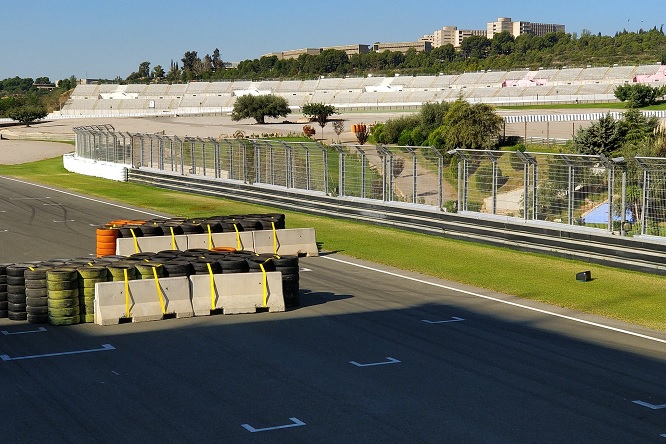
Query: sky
{"x": 110, "y": 38}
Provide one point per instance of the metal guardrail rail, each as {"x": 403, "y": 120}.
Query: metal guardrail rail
{"x": 590, "y": 245}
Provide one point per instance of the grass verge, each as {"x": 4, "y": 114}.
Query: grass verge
{"x": 628, "y": 296}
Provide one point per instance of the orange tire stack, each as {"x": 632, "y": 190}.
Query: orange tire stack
{"x": 106, "y": 241}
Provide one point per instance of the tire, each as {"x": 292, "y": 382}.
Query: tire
{"x": 288, "y": 270}
{"x": 36, "y": 302}
{"x": 87, "y": 292}
{"x": 61, "y": 274}
{"x": 62, "y": 285}
{"x": 36, "y": 292}
{"x": 37, "y": 310}
{"x": 38, "y": 318}
{"x": 17, "y": 270}
{"x": 62, "y": 320}
{"x": 15, "y": 280}
{"x": 16, "y": 307}
{"x": 63, "y": 294}
{"x": 35, "y": 283}
{"x": 16, "y": 298}
{"x": 35, "y": 273}
{"x": 3, "y": 296}
{"x": 17, "y": 316}
{"x": 286, "y": 261}
{"x": 289, "y": 278}
{"x": 65, "y": 312}
{"x": 94, "y": 272}
{"x": 88, "y": 318}
{"x": 201, "y": 266}
{"x": 3, "y": 313}
{"x": 15, "y": 289}
{"x": 3, "y": 305}
{"x": 62, "y": 303}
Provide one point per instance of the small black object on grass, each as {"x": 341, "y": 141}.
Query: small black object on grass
{"x": 584, "y": 276}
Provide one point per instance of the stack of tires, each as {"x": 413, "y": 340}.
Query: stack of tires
{"x": 148, "y": 270}
{"x": 3, "y": 290}
{"x": 63, "y": 296}
{"x": 106, "y": 241}
{"x": 36, "y": 301}
{"x": 118, "y": 270}
{"x": 288, "y": 266}
{"x": 16, "y": 308}
{"x": 88, "y": 277}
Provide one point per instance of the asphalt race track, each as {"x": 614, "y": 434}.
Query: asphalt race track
{"x": 373, "y": 355}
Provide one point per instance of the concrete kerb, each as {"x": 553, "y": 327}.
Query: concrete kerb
{"x": 148, "y": 301}
{"x": 296, "y": 241}
{"x": 237, "y": 293}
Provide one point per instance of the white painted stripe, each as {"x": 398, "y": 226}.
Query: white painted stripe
{"x": 295, "y": 423}
{"x": 650, "y": 406}
{"x": 389, "y": 360}
{"x": 39, "y": 330}
{"x": 105, "y": 347}
{"x": 515, "y": 304}
{"x": 81, "y": 197}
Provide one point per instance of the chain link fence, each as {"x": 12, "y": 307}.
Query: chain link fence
{"x": 618, "y": 195}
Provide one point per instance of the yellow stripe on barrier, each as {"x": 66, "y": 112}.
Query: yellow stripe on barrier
{"x": 136, "y": 243}
{"x": 264, "y": 283}
{"x": 210, "y": 238}
{"x": 31, "y": 269}
{"x": 173, "y": 239}
{"x": 127, "y": 304}
{"x": 275, "y": 245}
{"x": 239, "y": 246}
{"x": 159, "y": 290}
{"x": 212, "y": 287}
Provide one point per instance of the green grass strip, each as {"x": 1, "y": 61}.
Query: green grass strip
{"x": 633, "y": 297}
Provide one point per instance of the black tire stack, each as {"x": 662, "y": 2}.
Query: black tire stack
{"x": 88, "y": 277}
{"x": 16, "y": 308}
{"x": 63, "y": 296}
{"x": 3, "y": 290}
{"x": 145, "y": 270}
{"x": 36, "y": 302}
{"x": 288, "y": 266}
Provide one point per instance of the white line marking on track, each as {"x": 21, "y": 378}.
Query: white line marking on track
{"x": 453, "y": 319}
{"x": 105, "y": 347}
{"x": 79, "y": 196}
{"x": 650, "y": 406}
{"x": 305, "y": 269}
{"x": 28, "y": 198}
{"x": 63, "y": 221}
{"x": 39, "y": 330}
{"x": 389, "y": 360}
{"x": 514, "y": 304}
{"x": 295, "y": 423}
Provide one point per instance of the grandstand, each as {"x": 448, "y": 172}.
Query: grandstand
{"x": 593, "y": 84}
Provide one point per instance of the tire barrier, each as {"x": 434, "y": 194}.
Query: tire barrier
{"x": 106, "y": 241}
{"x": 16, "y": 298}
{"x": 36, "y": 294}
{"x": 63, "y": 300}
{"x": 88, "y": 277}
{"x": 3, "y": 290}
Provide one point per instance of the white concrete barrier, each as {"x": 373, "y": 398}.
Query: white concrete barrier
{"x": 126, "y": 246}
{"x": 298, "y": 241}
{"x": 236, "y": 293}
{"x": 88, "y": 167}
{"x": 144, "y": 299}
{"x": 244, "y": 240}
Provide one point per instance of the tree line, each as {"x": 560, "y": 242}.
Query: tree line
{"x": 502, "y": 52}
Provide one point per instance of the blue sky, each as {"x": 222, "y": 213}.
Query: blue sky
{"x": 109, "y": 38}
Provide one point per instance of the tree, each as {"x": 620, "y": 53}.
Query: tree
{"x": 319, "y": 112}
{"x": 338, "y": 127}
{"x": 468, "y": 126}
{"x": 27, "y": 114}
{"x": 158, "y": 72}
{"x": 605, "y": 136}
{"x": 258, "y": 107}
{"x": 638, "y": 95}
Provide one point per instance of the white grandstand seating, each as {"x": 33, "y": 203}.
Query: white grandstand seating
{"x": 419, "y": 81}
{"x": 221, "y": 101}
{"x": 468, "y": 78}
{"x": 515, "y": 75}
{"x": 596, "y": 88}
{"x": 594, "y": 74}
{"x": 107, "y": 104}
{"x": 492, "y": 78}
{"x": 240, "y": 85}
{"x": 106, "y": 88}
{"x": 442, "y": 82}
{"x": 191, "y": 101}
{"x": 348, "y": 97}
{"x": 546, "y": 74}
{"x": 177, "y": 90}
{"x": 85, "y": 91}
{"x": 295, "y": 98}
{"x": 135, "y": 88}
{"x": 647, "y": 70}
{"x": 197, "y": 87}
{"x": 329, "y": 84}
{"x": 307, "y": 86}
{"x": 424, "y": 96}
{"x": 564, "y": 89}
{"x": 621, "y": 72}
{"x": 156, "y": 90}
{"x": 566, "y": 75}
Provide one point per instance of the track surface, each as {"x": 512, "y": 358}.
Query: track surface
{"x": 372, "y": 355}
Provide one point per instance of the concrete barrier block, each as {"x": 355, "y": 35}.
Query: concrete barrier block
{"x": 237, "y": 293}
{"x": 125, "y": 246}
{"x": 144, "y": 300}
{"x": 300, "y": 241}
{"x": 221, "y": 240}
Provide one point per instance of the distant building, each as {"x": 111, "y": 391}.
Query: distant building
{"x": 403, "y": 47}
{"x": 504, "y": 24}
{"x": 454, "y": 36}
{"x": 350, "y": 49}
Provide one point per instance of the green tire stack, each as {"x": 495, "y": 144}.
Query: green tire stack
{"x": 117, "y": 271}
{"x": 36, "y": 295}
{"x": 88, "y": 277}
{"x": 63, "y": 296}
{"x": 145, "y": 270}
